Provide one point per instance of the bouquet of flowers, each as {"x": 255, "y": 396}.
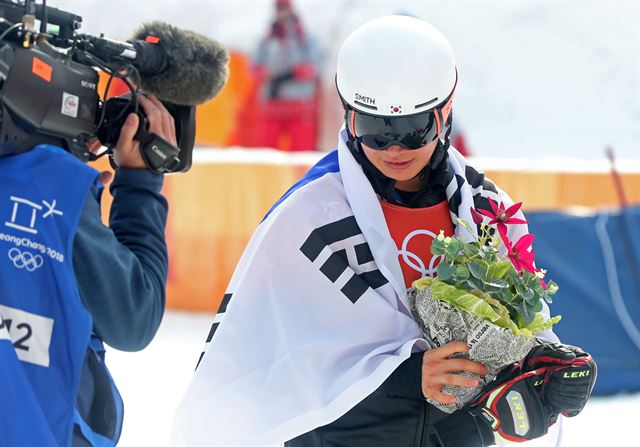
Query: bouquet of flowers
{"x": 488, "y": 293}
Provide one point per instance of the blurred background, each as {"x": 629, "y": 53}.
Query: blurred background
{"x": 545, "y": 88}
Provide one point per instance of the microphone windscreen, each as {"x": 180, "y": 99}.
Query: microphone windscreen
{"x": 196, "y": 70}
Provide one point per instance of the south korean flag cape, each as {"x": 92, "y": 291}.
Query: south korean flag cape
{"x": 316, "y": 315}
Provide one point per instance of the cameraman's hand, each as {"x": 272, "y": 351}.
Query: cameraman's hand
{"x": 126, "y": 154}
{"x": 94, "y": 147}
{"x": 439, "y": 370}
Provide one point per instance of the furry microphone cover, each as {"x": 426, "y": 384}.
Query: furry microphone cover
{"x": 196, "y": 70}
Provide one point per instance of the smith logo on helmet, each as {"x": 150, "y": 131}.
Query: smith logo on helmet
{"x": 365, "y": 99}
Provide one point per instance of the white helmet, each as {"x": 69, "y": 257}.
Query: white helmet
{"x": 395, "y": 65}
{"x": 396, "y": 76}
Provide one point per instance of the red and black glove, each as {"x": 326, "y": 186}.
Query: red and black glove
{"x": 526, "y": 399}
{"x": 512, "y": 405}
{"x": 569, "y": 378}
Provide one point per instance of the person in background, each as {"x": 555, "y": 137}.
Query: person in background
{"x": 459, "y": 141}
{"x": 287, "y": 68}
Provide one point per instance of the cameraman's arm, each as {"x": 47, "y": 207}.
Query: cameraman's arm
{"x": 122, "y": 269}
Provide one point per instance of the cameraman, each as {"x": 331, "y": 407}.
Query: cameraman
{"x": 69, "y": 283}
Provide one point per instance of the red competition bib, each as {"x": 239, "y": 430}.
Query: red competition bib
{"x": 413, "y": 230}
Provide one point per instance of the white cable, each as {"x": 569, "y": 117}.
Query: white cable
{"x": 612, "y": 278}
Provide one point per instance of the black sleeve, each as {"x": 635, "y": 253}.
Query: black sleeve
{"x": 122, "y": 269}
{"x": 461, "y": 429}
{"x": 406, "y": 380}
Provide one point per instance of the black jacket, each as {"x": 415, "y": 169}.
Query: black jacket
{"x": 397, "y": 415}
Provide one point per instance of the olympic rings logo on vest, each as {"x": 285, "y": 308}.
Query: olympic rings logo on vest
{"x": 25, "y": 260}
{"x": 413, "y": 260}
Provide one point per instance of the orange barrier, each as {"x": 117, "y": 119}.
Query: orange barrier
{"x": 213, "y": 212}
{"x": 215, "y": 208}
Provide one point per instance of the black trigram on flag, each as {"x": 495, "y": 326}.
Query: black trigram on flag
{"x": 216, "y": 322}
{"x": 338, "y": 261}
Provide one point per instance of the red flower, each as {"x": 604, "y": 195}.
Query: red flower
{"x": 502, "y": 217}
{"x": 541, "y": 273}
{"x": 521, "y": 254}
{"x": 477, "y": 218}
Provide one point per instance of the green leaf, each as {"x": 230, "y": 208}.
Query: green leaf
{"x": 465, "y": 224}
{"x": 484, "y": 306}
{"x": 526, "y": 313}
{"x": 489, "y": 249}
{"x": 539, "y": 324}
{"x": 471, "y": 303}
{"x": 497, "y": 283}
{"x": 500, "y": 270}
{"x": 504, "y": 296}
{"x": 520, "y": 287}
{"x": 445, "y": 271}
{"x": 478, "y": 270}
{"x": 454, "y": 247}
{"x": 531, "y": 280}
{"x": 423, "y": 283}
{"x": 473, "y": 284}
{"x": 462, "y": 273}
{"x": 537, "y": 307}
{"x": 552, "y": 288}
{"x": 437, "y": 247}
{"x": 528, "y": 294}
{"x": 470, "y": 250}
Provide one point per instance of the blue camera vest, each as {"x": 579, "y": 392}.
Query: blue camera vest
{"x": 46, "y": 337}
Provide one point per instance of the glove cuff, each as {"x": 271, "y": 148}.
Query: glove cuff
{"x": 461, "y": 429}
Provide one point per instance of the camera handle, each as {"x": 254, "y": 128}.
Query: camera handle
{"x": 158, "y": 154}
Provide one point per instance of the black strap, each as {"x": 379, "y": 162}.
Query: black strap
{"x": 158, "y": 154}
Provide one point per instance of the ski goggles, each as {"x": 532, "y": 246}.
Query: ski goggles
{"x": 407, "y": 131}
{"x": 410, "y": 132}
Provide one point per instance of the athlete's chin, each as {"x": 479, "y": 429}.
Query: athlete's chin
{"x": 401, "y": 175}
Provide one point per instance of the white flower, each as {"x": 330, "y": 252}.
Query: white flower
{"x": 541, "y": 273}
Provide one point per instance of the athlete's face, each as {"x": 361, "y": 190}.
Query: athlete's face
{"x": 401, "y": 164}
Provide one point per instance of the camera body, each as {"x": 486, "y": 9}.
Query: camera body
{"x": 46, "y": 97}
{"x": 49, "y": 89}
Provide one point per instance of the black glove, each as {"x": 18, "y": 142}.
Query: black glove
{"x": 461, "y": 429}
{"x": 526, "y": 398}
{"x": 512, "y": 405}
{"x": 569, "y": 379}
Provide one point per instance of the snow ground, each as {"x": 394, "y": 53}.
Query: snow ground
{"x": 152, "y": 382}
